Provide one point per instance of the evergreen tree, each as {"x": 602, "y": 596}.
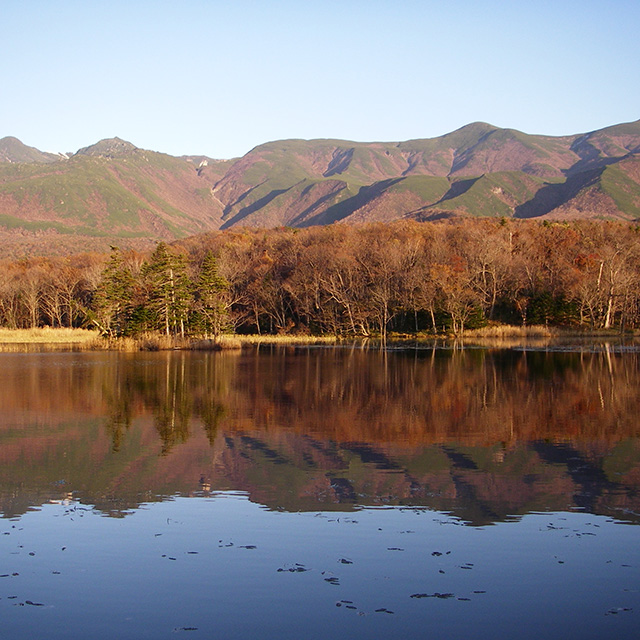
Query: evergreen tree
{"x": 168, "y": 290}
{"x": 113, "y": 300}
{"x": 211, "y": 298}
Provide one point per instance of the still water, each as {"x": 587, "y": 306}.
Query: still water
{"x": 316, "y": 492}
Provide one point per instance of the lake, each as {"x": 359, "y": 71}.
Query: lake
{"x": 318, "y": 492}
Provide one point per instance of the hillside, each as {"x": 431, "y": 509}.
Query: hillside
{"x": 113, "y": 192}
{"x": 477, "y": 170}
{"x": 12, "y": 150}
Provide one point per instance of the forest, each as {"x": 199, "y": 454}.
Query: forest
{"x": 361, "y": 280}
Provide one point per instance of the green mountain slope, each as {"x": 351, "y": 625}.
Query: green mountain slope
{"x": 260, "y": 189}
{"x": 610, "y": 192}
{"x": 113, "y": 191}
{"x": 108, "y": 190}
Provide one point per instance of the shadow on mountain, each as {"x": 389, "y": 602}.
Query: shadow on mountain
{"x": 427, "y": 214}
{"x": 591, "y": 157}
{"x": 343, "y": 209}
{"x": 229, "y": 208}
{"x": 339, "y": 163}
{"x": 300, "y": 219}
{"x": 553, "y": 195}
{"x": 252, "y": 208}
{"x": 462, "y": 160}
{"x": 458, "y": 188}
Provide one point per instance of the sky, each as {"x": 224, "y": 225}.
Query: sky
{"x": 218, "y": 78}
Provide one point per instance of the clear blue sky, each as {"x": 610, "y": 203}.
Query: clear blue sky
{"x": 220, "y": 77}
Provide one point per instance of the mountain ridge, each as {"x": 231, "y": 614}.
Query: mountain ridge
{"x": 118, "y": 192}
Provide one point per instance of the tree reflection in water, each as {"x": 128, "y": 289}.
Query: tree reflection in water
{"x": 484, "y": 434}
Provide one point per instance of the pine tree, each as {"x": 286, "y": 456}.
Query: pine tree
{"x": 168, "y": 290}
{"x": 211, "y": 297}
{"x": 113, "y": 301}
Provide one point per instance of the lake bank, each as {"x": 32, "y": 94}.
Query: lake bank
{"x": 491, "y": 337}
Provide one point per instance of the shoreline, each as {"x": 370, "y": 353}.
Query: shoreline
{"x": 493, "y": 337}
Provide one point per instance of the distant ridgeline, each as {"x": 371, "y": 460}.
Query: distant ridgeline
{"x": 115, "y": 193}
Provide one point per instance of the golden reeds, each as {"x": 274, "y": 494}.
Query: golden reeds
{"x": 47, "y": 335}
{"x": 17, "y": 340}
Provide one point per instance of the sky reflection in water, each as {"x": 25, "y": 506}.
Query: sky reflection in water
{"x": 477, "y": 494}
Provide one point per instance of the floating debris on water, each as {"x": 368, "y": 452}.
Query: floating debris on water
{"x": 296, "y": 568}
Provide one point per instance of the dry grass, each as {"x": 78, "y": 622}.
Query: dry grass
{"x": 161, "y": 342}
{"x": 47, "y": 339}
{"x": 47, "y": 335}
{"x": 226, "y": 342}
{"x": 509, "y": 331}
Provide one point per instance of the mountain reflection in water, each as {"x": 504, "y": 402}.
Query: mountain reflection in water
{"x": 484, "y": 435}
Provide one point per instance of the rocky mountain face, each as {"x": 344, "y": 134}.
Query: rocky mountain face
{"x": 113, "y": 191}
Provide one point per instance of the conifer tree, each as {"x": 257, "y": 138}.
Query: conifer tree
{"x": 168, "y": 289}
{"x": 114, "y": 297}
{"x": 211, "y": 297}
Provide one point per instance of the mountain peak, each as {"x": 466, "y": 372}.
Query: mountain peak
{"x": 13, "y": 150}
{"x": 108, "y": 148}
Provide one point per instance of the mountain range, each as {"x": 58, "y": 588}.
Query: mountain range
{"x": 114, "y": 192}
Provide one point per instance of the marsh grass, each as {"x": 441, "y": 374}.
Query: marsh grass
{"x": 47, "y": 335}
{"x": 161, "y": 342}
{"x": 58, "y": 339}
{"x": 16, "y": 340}
{"x": 510, "y": 331}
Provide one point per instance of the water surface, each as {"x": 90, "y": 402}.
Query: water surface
{"x": 313, "y": 491}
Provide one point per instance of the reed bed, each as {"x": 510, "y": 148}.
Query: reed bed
{"x": 52, "y": 339}
{"x": 510, "y": 331}
{"x": 47, "y": 335}
{"x": 47, "y": 339}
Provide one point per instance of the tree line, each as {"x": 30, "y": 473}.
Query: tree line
{"x": 362, "y": 280}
